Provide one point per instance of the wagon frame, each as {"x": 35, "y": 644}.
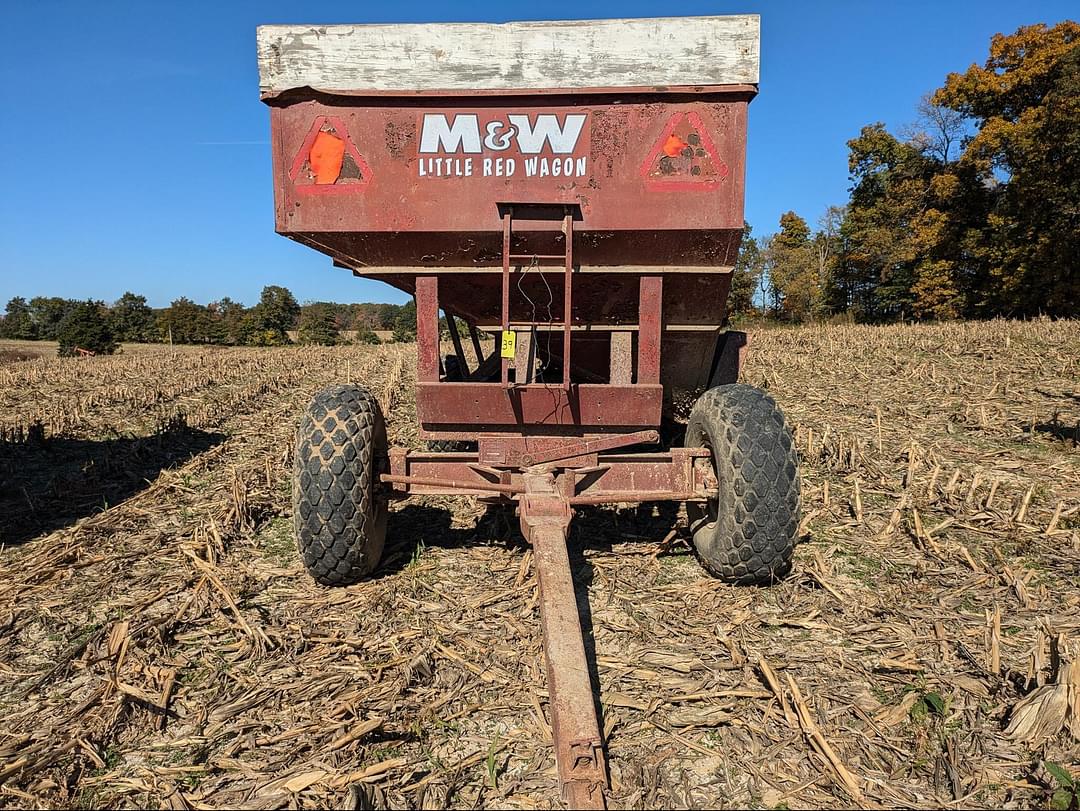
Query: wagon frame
{"x": 506, "y": 164}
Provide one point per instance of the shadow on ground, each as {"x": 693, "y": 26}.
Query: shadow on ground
{"x": 50, "y": 483}
{"x": 418, "y": 525}
{"x": 1060, "y": 431}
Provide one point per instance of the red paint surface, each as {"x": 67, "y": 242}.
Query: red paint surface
{"x": 489, "y": 404}
{"x": 647, "y": 473}
{"x": 458, "y": 217}
{"x": 650, "y": 305}
{"x": 351, "y": 181}
{"x": 427, "y": 329}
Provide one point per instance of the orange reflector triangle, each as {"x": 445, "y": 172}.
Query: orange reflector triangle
{"x": 327, "y": 160}
{"x": 684, "y": 157}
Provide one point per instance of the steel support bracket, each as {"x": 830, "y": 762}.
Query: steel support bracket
{"x": 399, "y": 466}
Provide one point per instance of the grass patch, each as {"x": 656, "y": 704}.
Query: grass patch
{"x": 870, "y": 570}
{"x": 277, "y": 542}
{"x": 678, "y": 568}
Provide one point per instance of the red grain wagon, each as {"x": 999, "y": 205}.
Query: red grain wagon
{"x": 576, "y": 190}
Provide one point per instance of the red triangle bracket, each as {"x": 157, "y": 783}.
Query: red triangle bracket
{"x": 684, "y": 158}
{"x": 353, "y": 175}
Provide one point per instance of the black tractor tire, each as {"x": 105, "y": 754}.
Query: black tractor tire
{"x": 747, "y": 534}
{"x": 339, "y": 505}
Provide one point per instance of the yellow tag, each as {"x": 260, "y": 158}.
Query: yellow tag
{"x": 509, "y": 344}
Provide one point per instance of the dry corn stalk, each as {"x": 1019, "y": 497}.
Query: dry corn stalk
{"x": 1045, "y": 711}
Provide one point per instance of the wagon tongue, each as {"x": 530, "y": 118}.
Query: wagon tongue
{"x": 545, "y": 519}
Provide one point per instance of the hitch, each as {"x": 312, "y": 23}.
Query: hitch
{"x": 579, "y": 750}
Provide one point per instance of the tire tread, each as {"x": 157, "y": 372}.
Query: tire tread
{"x": 339, "y": 521}
{"x": 753, "y": 537}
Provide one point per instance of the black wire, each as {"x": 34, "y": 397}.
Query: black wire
{"x": 532, "y": 307}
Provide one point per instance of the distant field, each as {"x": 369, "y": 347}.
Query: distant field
{"x": 384, "y": 335}
{"x": 15, "y": 351}
{"x": 160, "y": 643}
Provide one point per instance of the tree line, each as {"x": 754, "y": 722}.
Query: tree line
{"x": 99, "y": 327}
{"x": 972, "y": 212}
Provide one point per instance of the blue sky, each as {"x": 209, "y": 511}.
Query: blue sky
{"x": 136, "y": 151}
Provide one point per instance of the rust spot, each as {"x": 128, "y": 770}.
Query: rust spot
{"x": 684, "y": 152}
{"x": 399, "y": 137}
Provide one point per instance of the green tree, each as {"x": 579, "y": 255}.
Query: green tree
{"x": 86, "y": 327}
{"x": 976, "y": 211}
{"x": 793, "y": 269}
{"x": 131, "y": 319}
{"x": 366, "y": 335}
{"x": 318, "y": 324}
{"x": 405, "y": 323}
{"x": 372, "y": 316}
{"x": 746, "y": 276}
{"x": 17, "y": 323}
{"x": 888, "y": 230}
{"x": 827, "y": 245}
{"x": 185, "y": 322}
{"x": 48, "y": 313}
{"x": 276, "y": 314}
{"x": 231, "y": 317}
{"x": 386, "y": 315}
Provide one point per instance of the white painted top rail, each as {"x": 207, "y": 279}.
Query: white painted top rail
{"x": 353, "y": 59}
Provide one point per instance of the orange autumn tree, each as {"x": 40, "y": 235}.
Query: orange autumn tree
{"x": 907, "y": 214}
{"x": 975, "y": 211}
{"x": 1025, "y": 104}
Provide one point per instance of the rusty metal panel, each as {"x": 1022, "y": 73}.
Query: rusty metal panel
{"x": 452, "y": 468}
{"x": 407, "y": 188}
{"x": 588, "y": 405}
{"x": 649, "y": 164}
{"x": 523, "y": 451}
{"x": 427, "y": 329}
{"x": 646, "y": 473}
{"x": 650, "y": 326}
{"x": 514, "y": 451}
{"x": 575, "y": 731}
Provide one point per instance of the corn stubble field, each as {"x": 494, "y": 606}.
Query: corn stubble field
{"x": 160, "y": 643}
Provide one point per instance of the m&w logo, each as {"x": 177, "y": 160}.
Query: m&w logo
{"x": 502, "y": 140}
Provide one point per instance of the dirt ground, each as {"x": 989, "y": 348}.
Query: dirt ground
{"x": 160, "y": 644}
